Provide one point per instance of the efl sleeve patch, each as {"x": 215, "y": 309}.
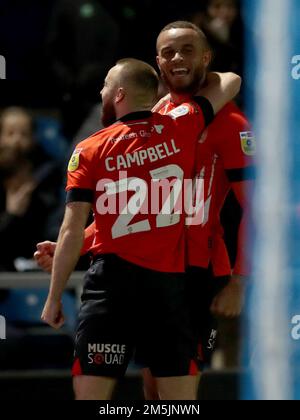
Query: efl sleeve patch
{"x": 248, "y": 143}
{"x": 74, "y": 161}
{"x": 180, "y": 111}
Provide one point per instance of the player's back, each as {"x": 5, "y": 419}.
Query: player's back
{"x": 136, "y": 169}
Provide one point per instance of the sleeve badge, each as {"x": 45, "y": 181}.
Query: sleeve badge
{"x": 74, "y": 161}
{"x": 248, "y": 143}
{"x": 180, "y": 111}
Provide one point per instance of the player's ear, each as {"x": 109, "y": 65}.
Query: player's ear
{"x": 207, "y": 58}
{"x": 158, "y": 61}
{"x": 120, "y": 95}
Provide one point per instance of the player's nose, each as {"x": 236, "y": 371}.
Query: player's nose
{"x": 178, "y": 57}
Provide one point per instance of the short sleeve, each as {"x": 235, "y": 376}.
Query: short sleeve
{"x": 206, "y": 109}
{"x": 191, "y": 118}
{"x": 236, "y": 147}
{"x": 80, "y": 182}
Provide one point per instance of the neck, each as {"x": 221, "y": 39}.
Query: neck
{"x": 130, "y": 109}
{"x": 179, "y": 98}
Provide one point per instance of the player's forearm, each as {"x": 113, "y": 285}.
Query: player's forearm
{"x": 221, "y": 88}
{"x": 242, "y": 264}
{"x": 230, "y": 85}
{"x": 89, "y": 235}
{"x": 65, "y": 259}
{"x": 243, "y": 192}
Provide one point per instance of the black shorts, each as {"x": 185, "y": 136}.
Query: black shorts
{"x": 202, "y": 287}
{"x": 127, "y": 309}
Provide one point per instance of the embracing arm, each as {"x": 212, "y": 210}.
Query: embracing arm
{"x": 242, "y": 191}
{"x": 220, "y": 89}
{"x": 229, "y": 302}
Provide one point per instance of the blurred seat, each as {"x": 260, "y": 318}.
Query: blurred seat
{"x": 30, "y": 343}
{"x": 48, "y": 133}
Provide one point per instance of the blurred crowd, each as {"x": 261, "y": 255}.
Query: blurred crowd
{"x": 57, "y": 54}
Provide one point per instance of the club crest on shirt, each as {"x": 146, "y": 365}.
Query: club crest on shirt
{"x": 74, "y": 161}
{"x": 248, "y": 143}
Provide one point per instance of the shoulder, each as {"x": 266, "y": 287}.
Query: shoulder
{"x": 231, "y": 135}
{"x": 98, "y": 139}
{"x": 184, "y": 112}
{"x": 84, "y": 152}
{"x": 231, "y": 116}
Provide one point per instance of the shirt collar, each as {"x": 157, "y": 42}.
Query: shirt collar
{"x": 139, "y": 115}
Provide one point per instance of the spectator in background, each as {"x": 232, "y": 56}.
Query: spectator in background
{"x": 221, "y": 22}
{"x": 141, "y": 20}
{"x": 28, "y": 188}
{"x": 82, "y": 46}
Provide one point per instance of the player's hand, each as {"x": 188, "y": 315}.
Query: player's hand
{"x": 44, "y": 255}
{"x": 229, "y": 302}
{"x": 52, "y": 313}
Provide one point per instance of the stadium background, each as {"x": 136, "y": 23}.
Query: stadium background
{"x": 55, "y": 67}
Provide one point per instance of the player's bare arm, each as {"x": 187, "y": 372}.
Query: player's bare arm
{"x": 66, "y": 255}
{"x": 44, "y": 255}
{"x": 243, "y": 193}
{"x": 220, "y": 89}
{"x": 161, "y": 103}
{"x": 229, "y": 302}
{"x": 45, "y": 250}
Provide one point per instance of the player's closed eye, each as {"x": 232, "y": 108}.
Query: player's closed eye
{"x": 187, "y": 50}
{"x": 168, "y": 54}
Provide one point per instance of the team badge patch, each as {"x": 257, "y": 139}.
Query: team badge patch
{"x": 74, "y": 161}
{"x": 180, "y": 111}
{"x": 248, "y": 143}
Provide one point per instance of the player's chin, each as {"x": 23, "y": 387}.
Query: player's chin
{"x": 181, "y": 86}
{"x": 182, "y": 81}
